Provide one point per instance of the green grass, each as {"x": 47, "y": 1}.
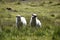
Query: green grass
{"x": 48, "y": 14}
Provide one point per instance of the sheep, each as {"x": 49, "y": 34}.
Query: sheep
{"x": 34, "y": 21}
{"x": 20, "y": 21}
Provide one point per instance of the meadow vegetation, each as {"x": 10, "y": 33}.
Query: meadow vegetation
{"x": 47, "y": 11}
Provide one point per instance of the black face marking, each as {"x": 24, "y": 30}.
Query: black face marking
{"x": 34, "y": 16}
{"x": 33, "y": 23}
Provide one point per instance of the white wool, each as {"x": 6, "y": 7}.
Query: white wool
{"x": 23, "y": 20}
{"x": 38, "y": 23}
{"x": 16, "y": 20}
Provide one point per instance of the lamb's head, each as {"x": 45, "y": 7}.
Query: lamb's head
{"x": 34, "y": 15}
{"x": 18, "y": 16}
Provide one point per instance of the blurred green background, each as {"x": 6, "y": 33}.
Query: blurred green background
{"x": 48, "y": 12}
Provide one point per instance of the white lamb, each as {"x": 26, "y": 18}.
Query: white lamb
{"x": 20, "y": 21}
{"x": 34, "y": 21}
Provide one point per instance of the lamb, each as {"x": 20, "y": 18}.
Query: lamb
{"x": 34, "y": 21}
{"x": 20, "y": 21}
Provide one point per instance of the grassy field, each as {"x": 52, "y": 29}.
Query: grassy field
{"x": 47, "y": 12}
